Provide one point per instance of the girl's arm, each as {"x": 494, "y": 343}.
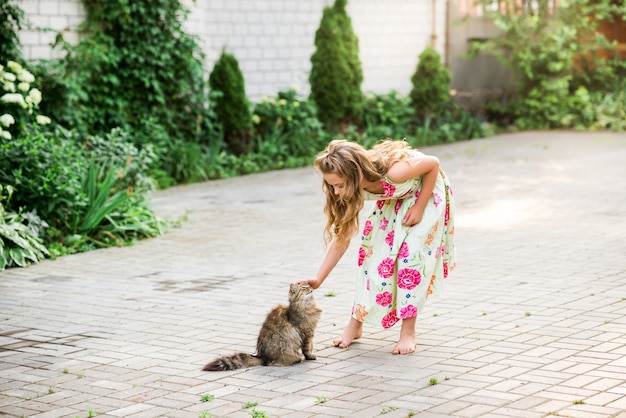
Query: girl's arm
{"x": 335, "y": 251}
{"x": 425, "y": 166}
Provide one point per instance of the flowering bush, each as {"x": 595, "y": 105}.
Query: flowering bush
{"x": 19, "y": 101}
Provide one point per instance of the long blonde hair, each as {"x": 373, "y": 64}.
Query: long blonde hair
{"x": 351, "y": 162}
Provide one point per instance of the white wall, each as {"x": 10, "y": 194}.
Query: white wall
{"x": 273, "y": 40}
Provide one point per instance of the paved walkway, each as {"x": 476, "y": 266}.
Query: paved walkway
{"x": 533, "y": 323}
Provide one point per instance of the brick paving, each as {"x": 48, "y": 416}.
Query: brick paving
{"x": 533, "y": 323}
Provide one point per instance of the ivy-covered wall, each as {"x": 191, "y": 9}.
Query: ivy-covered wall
{"x": 273, "y": 39}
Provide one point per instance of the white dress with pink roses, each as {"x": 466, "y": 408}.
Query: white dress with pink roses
{"x": 399, "y": 266}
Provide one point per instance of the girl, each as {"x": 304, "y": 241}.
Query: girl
{"x": 406, "y": 245}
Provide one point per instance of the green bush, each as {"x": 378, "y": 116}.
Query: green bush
{"x": 11, "y": 22}
{"x": 387, "y": 116}
{"x": 232, "y": 106}
{"x": 136, "y": 69}
{"x": 287, "y": 130}
{"x": 117, "y": 149}
{"x": 336, "y": 73}
{"x": 431, "y": 83}
{"x": 45, "y": 168}
{"x": 450, "y": 124}
{"x": 19, "y": 242}
{"x": 562, "y": 80}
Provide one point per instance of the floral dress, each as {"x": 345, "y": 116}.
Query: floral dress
{"x": 400, "y": 266}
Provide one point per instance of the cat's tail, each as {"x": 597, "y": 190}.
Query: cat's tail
{"x": 232, "y": 362}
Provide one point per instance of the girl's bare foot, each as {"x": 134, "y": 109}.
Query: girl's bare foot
{"x": 352, "y": 332}
{"x": 406, "y": 343}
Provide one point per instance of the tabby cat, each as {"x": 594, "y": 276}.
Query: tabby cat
{"x": 287, "y": 330}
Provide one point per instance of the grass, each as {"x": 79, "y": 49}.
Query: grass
{"x": 387, "y": 409}
{"x": 206, "y": 398}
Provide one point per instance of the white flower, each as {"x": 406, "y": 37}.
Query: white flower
{"x": 13, "y": 98}
{"x": 9, "y": 86}
{"x": 256, "y": 119}
{"x": 7, "y": 120}
{"x": 282, "y": 102}
{"x": 35, "y": 95}
{"x": 43, "y": 120}
{"x": 14, "y": 66}
{"x": 5, "y": 134}
{"x": 23, "y": 86}
{"x": 26, "y": 76}
{"x": 9, "y": 76}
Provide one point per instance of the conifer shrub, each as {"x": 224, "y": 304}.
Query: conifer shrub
{"x": 336, "y": 73}
{"x": 431, "y": 83}
{"x": 232, "y": 106}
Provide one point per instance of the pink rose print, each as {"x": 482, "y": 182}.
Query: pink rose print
{"x": 367, "y": 228}
{"x": 362, "y": 254}
{"x": 397, "y": 207}
{"x": 380, "y": 204}
{"x": 389, "y": 238}
{"x": 367, "y": 284}
{"x": 409, "y": 311}
{"x": 445, "y": 269}
{"x": 384, "y": 299}
{"x": 388, "y": 189}
{"x": 409, "y": 278}
{"x": 404, "y": 250}
{"x": 389, "y": 320}
{"x": 447, "y": 216}
{"x": 386, "y": 268}
{"x": 417, "y": 194}
{"x": 437, "y": 199}
{"x": 383, "y": 224}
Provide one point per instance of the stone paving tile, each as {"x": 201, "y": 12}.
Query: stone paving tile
{"x": 533, "y": 319}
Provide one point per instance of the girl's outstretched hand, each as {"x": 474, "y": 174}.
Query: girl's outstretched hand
{"x": 314, "y": 283}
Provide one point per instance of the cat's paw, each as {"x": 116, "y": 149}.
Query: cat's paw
{"x": 309, "y": 356}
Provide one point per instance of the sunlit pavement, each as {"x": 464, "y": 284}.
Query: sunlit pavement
{"x": 533, "y": 322}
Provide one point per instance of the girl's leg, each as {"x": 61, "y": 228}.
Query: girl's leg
{"x": 406, "y": 343}
{"x": 352, "y": 332}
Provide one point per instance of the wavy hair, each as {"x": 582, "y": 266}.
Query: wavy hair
{"x": 351, "y": 162}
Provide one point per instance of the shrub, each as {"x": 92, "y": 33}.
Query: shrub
{"x": 556, "y": 61}
{"x": 287, "y": 130}
{"x": 19, "y": 101}
{"x": 431, "y": 83}
{"x": 232, "y": 106}
{"x": 134, "y": 69}
{"x": 46, "y": 171}
{"x": 11, "y": 22}
{"x": 387, "y": 116}
{"x": 450, "y": 124}
{"x": 19, "y": 242}
{"x": 336, "y": 73}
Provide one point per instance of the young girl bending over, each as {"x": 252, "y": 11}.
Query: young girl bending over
{"x": 406, "y": 246}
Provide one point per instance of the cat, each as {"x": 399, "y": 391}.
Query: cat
{"x": 287, "y": 330}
